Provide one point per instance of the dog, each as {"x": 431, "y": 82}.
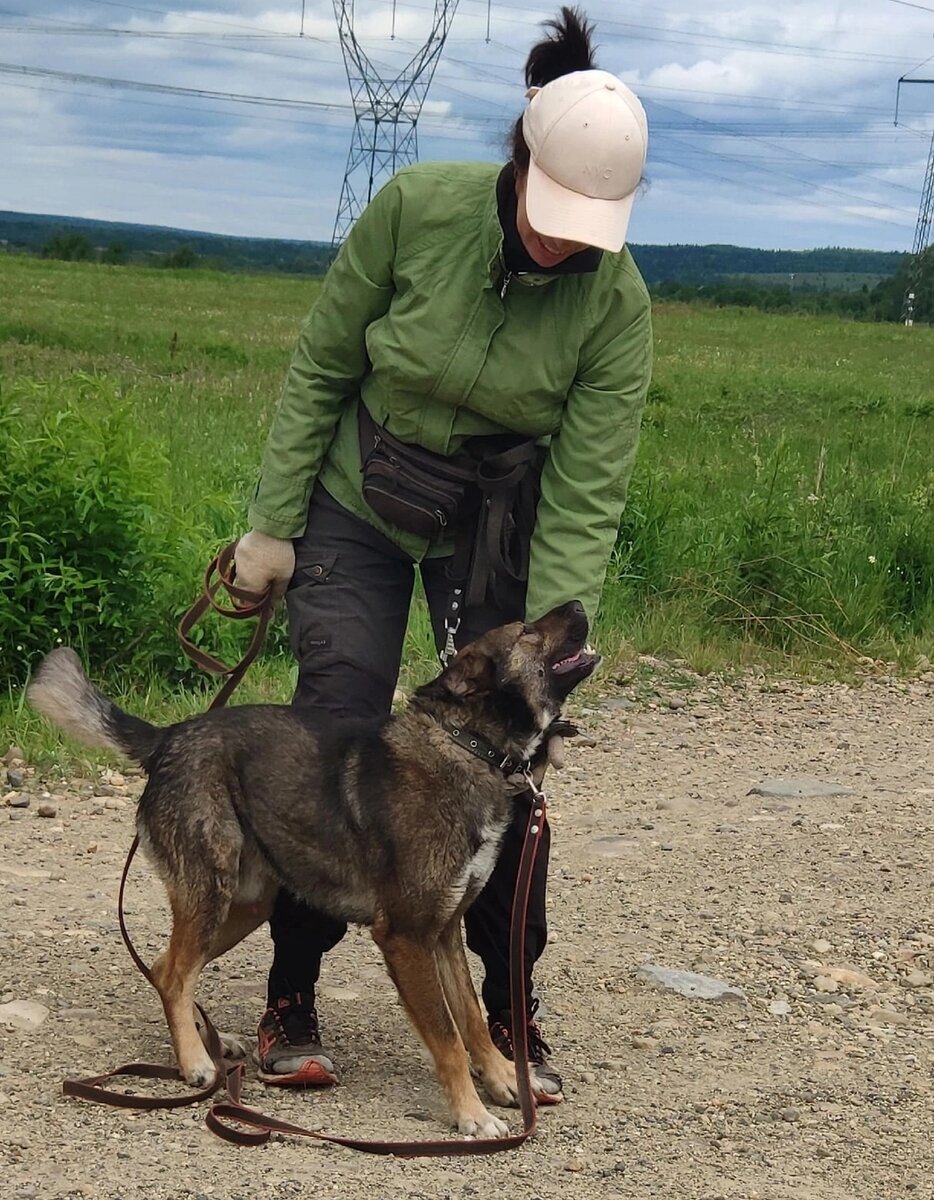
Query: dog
{"x": 393, "y": 824}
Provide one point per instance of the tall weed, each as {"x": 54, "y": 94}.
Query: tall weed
{"x": 96, "y": 549}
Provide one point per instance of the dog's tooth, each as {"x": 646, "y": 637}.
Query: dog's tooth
{"x": 588, "y": 649}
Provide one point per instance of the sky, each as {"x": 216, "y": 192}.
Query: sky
{"x": 770, "y": 124}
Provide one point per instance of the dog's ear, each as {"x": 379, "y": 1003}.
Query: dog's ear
{"x": 470, "y": 673}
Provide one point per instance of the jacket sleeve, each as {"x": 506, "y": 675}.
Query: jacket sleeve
{"x": 330, "y": 360}
{"x": 590, "y": 461}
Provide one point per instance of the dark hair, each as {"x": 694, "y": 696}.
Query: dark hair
{"x": 567, "y": 48}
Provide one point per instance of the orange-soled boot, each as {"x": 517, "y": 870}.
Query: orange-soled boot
{"x": 289, "y": 1051}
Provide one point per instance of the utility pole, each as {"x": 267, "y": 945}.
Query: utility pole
{"x": 922, "y": 241}
{"x": 923, "y": 228}
{"x": 386, "y": 111}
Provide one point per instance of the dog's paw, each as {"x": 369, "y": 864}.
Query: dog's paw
{"x": 499, "y": 1082}
{"x": 233, "y": 1046}
{"x": 481, "y": 1124}
{"x": 199, "y": 1073}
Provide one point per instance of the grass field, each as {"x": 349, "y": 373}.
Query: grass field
{"x": 782, "y": 511}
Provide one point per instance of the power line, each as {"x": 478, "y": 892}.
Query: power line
{"x": 658, "y": 33}
{"x": 758, "y": 187}
{"x": 662, "y": 34}
{"x": 907, "y": 4}
{"x": 170, "y": 89}
{"x": 695, "y": 125}
{"x": 808, "y": 182}
{"x": 445, "y": 131}
{"x": 476, "y": 123}
{"x": 733, "y": 101}
{"x": 89, "y": 30}
{"x": 754, "y": 134}
{"x": 793, "y": 153}
{"x": 166, "y": 12}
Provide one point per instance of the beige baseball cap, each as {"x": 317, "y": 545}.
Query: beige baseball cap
{"x": 588, "y": 138}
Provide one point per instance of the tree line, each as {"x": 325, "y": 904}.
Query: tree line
{"x": 882, "y": 302}
{"x": 700, "y": 275}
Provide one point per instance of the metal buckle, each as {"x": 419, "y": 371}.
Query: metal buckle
{"x": 451, "y": 629}
{"x": 533, "y": 786}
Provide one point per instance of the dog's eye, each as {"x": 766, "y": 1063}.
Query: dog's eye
{"x": 541, "y": 672}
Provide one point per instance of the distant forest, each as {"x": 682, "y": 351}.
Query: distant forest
{"x": 121, "y": 242}
{"x": 866, "y": 284}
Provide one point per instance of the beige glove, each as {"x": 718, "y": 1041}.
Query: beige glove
{"x": 554, "y": 757}
{"x": 263, "y": 561}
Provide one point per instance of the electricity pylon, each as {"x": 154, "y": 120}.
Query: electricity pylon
{"x": 386, "y": 111}
{"x": 923, "y": 228}
{"x": 921, "y": 243}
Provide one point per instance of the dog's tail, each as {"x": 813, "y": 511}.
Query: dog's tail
{"x": 61, "y": 691}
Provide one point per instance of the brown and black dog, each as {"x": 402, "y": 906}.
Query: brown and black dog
{"x": 393, "y": 824}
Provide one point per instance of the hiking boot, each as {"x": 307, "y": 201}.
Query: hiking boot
{"x": 289, "y": 1051}
{"x": 546, "y": 1082}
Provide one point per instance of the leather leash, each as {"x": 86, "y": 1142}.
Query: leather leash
{"x": 223, "y": 1117}
{"x": 248, "y": 605}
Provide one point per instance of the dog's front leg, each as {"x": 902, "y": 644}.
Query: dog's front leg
{"x": 241, "y": 920}
{"x": 414, "y": 971}
{"x": 496, "y": 1071}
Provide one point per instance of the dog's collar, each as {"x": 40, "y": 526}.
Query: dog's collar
{"x": 484, "y": 750}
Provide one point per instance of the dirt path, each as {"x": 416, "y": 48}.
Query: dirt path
{"x": 813, "y": 1088}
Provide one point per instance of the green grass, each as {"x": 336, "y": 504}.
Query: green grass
{"x": 781, "y": 515}
{"x": 784, "y": 499}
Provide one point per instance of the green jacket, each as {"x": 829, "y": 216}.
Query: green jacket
{"x": 417, "y": 317}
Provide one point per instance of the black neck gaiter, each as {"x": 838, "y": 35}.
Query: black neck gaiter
{"x": 515, "y": 256}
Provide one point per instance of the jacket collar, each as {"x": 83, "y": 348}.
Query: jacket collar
{"x": 505, "y": 252}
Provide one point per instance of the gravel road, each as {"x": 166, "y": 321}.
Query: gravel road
{"x": 813, "y": 1079}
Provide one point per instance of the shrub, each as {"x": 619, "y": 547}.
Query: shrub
{"x": 72, "y": 247}
{"x": 181, "y": 258}
{"x": 84, "y": 551}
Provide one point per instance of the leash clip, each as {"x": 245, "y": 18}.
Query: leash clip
{"x": 452, "y": 622}
{"x": 533, "y": 786}
{"x": 449, "y": 648}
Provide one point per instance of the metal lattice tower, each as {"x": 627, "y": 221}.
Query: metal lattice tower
{"x": 922, "y": 241}
{"x": 386, "y": 111}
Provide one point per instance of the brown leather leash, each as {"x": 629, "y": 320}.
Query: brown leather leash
{"x": 225, "y": 1116}
{"x": 247, "y": 605}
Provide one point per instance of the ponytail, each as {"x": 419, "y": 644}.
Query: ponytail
{"x": 567, "y": 48}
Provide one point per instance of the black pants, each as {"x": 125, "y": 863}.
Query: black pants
{"x": 348, "y": 606}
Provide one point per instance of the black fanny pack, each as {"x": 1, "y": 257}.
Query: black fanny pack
{"x": 432, "y": 494}
{"x": 485, "y": 497}
{"x": 419, "y": 491}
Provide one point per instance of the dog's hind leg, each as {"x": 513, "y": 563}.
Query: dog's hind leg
{"x": 496, "y": 1071}
{"x": 175, "y": 974}
{"x": 414, "y": 970}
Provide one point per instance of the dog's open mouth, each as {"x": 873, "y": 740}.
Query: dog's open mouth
{"x": 575, "y": 660}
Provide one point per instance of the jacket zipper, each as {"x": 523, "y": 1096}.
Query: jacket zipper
{"x": 507, "y": 279}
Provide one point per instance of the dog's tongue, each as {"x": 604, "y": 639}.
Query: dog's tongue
{"x": 565, "y": 664}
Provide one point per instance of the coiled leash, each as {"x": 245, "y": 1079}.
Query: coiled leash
{"x": 230, "y": 1118}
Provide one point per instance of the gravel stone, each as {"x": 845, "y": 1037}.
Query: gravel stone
{"x": 798, "y": 787}
{"x": 689, "y": 983}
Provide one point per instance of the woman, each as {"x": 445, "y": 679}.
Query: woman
{"x": 472, "y": 308}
